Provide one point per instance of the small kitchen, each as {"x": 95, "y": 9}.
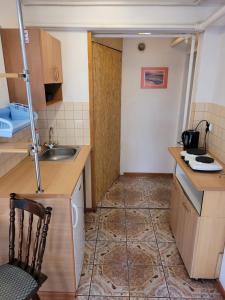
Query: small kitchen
{"x": 130, "y": 131}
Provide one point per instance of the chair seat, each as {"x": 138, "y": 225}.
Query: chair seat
{"x": 15, "y": 283}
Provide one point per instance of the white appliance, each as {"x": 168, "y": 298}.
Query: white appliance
{"x": 77, "y": 206}
{"x": 190, "y": 159}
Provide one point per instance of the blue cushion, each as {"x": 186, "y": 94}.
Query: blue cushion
{"x": 15, "y": 283}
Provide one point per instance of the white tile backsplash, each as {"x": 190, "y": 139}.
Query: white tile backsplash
{"x": 70, "y": 121}
{"x": 215, "y": 114}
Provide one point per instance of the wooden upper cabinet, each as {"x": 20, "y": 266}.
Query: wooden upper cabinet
{"x": 45, "y": 66}
{"x": 51, "y": 58}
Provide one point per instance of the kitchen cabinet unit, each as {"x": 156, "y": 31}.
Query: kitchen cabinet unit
{"x": 44, "y": 58}
{"x": 64, "y": 192}
{"x": 197, "y": 218}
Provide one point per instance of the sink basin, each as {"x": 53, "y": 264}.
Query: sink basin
{"x": 59, "y": 153}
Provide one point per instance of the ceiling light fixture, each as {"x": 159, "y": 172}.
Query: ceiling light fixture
{"x": 144, "y": 33}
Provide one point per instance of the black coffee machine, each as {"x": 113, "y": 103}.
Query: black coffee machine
{"x": 190, "y": 139}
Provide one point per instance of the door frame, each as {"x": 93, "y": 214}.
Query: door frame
{"x": 91, "y": 115}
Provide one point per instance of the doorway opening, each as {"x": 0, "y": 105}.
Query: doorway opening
{"x": 132, "y": 126}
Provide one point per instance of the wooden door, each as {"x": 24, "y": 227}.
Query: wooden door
{"x": 51, "y": 58}
{"x": 106, "y": 110}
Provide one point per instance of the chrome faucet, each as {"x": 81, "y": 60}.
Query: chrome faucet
{"x": 50, "y": 143}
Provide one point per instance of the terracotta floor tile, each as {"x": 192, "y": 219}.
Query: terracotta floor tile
{"x": 85, "y": 281}
{"x": 140, "y": 232}
{"x": 112, "y": 215}
{"x": 91, "y": 230}
{"x": 180, "y": 284}
{"x": 109, "y": 280}
{"x": 114, "y": 198}
{"x": 169, "y": 254}
{"x": 134, "y": 199}
{"x": 138, "y": 215}
{"x": 107, "y": 298}
{"x": 109, "y": 231}
{"x": 140, "y": 298}
{"x": 147, "y": 282}
{"x": 160, "y": 215}
{"x": 143, "y": 253}
{"x": 92, "y": 217}
{"x": 89, "y": 252}
{"x": 163, "y": 232}
{"x": 109, "y": 252}
{"x": 158, "y": 198}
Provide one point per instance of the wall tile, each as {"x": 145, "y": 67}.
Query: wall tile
{"x": 70, "y": 121}
{"x": 215, "y": 114}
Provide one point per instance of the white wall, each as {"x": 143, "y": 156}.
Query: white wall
{"x": 119, "y": 16}
{"x": 210, "y": 85}
{"x": 75, "y": 65}
{"x": 150, "y": 116}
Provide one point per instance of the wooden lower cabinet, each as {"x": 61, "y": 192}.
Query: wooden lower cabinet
{"x": 200, "y": 238}
{"x": 62, "y": 258}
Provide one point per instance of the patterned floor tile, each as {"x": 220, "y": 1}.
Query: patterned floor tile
{"x": 109, "y": 252}
{"x": 160, "y": 215}
{"x": 147, "y": 282}
{"x": 92, "y": 217}
{"x": 158, "y": 198}
{"x": 114, "y": 198}
{"x": 143, "y": 253}
{"x": 109, "y": 280}
{"x": 81, "y": 298}
{"x": 163, "y": 232}
{"x": 109, "y": 231}
{"x": 134, "y": 199}
{"x": 107, "y": 298}
{"x": 91, "y": 231}
{"x": 89, "y": 252}
{"x": 169, "y": 254}
{"x": 140, "y": 232}
{"x": 140, "y": 298}
{"x": 85, "y": 281}
{"x": 213, "y": 288}
{"x": 180, "y": 284}
{"x": 112, "y": 215}
{"x": 138, "y": 216}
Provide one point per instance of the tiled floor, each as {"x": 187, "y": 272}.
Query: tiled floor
{"x": 130, "y": 250}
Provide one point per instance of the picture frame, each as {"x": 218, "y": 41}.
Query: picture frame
{"x": 154, "y": 77}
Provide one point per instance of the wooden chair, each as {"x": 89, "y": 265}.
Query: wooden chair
{"x": 19, "y": 279}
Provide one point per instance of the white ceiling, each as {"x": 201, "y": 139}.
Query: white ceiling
{"x": 127, "y": 2}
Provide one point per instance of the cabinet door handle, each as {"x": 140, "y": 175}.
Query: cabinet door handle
{"x": 74, "y": 215}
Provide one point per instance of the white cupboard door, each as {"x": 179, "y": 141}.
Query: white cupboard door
{"x": 77, "y": 206}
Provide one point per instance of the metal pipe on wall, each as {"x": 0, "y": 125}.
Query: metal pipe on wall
{"x": 188, "y": 90}
{"x": 29, "y": 96}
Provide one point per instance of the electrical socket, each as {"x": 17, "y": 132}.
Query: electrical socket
{"x": 210, "y": 127}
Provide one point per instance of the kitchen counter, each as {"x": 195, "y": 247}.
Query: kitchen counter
{"x": 58, "y": 178}
{"x": 201, "y": 180}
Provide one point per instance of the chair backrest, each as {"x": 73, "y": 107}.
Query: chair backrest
{"x": 44, "y": 215}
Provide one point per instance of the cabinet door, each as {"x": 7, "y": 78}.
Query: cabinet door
{"x": 77, "y": 204}
{"x": 51, "y": 58}
{"x": 190, "y": 229}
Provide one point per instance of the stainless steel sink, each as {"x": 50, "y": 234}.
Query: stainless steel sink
{"x": 59, "y": 153}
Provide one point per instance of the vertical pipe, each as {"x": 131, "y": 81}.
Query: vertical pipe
{"x": 188, "y": 90}
{"x": 29, "y": 96}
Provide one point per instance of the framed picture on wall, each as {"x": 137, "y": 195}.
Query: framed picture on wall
{"x": 154, "y": 77}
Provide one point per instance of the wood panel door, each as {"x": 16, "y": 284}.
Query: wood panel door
{"x": 106, "y": 110}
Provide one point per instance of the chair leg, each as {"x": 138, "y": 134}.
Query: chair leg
{"x": 36, "y": 297}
